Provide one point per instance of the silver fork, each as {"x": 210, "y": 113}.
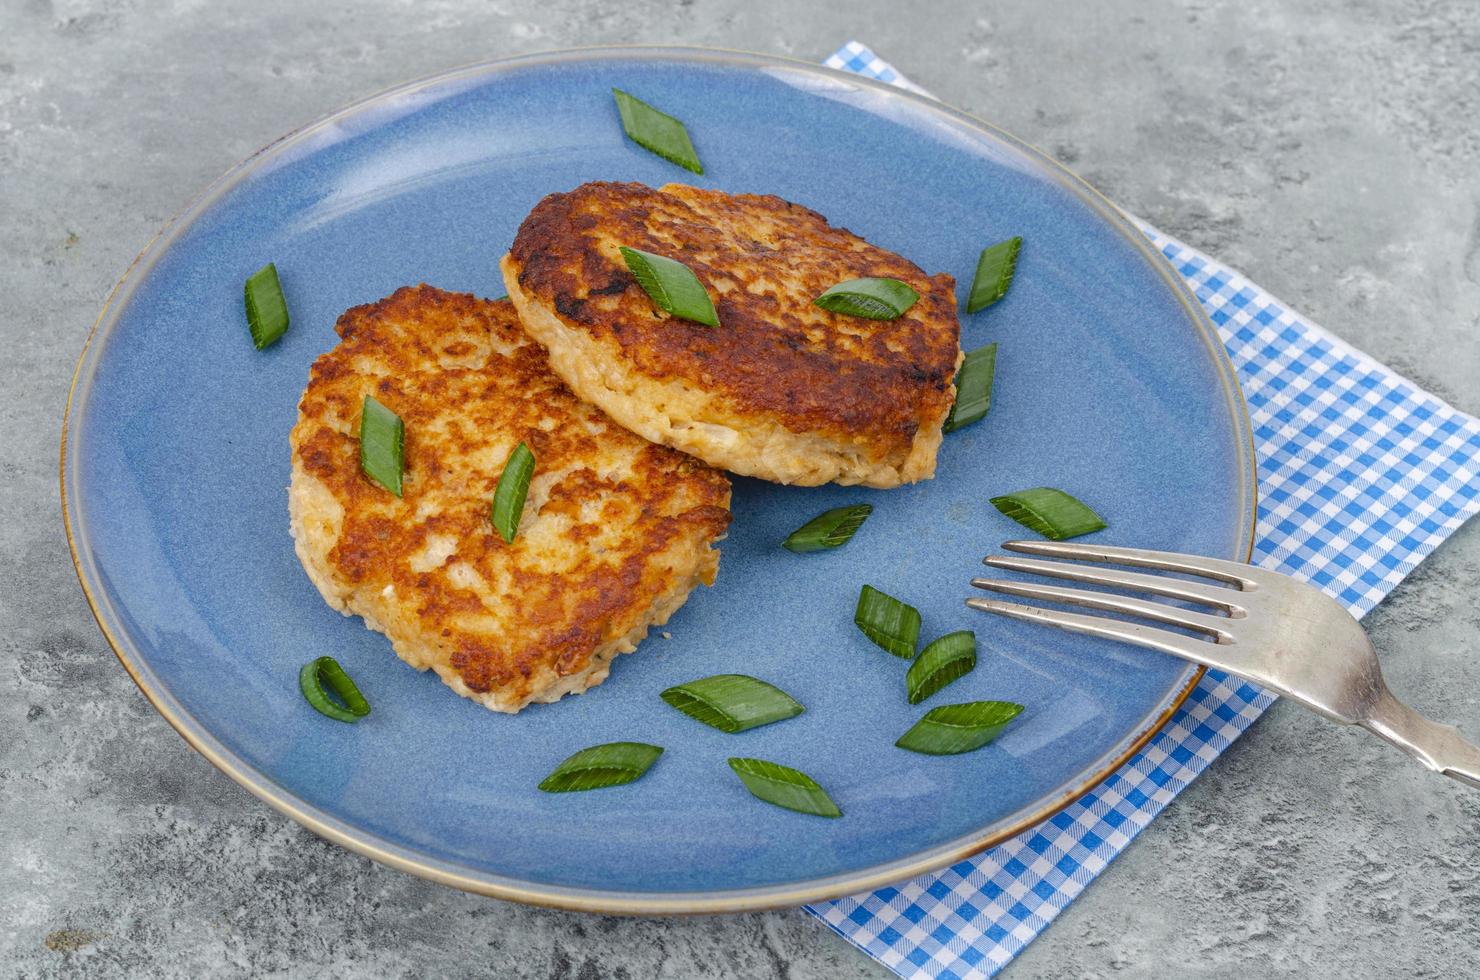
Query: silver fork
{"x": 1282, "y": 634}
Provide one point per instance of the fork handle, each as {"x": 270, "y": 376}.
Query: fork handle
{"x": 1438, "y": 747}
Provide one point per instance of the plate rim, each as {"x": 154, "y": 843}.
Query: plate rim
{"x": 583, "y": 899}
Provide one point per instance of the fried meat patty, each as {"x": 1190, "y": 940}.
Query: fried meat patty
{"x": 782, "y": 389}
{"x": 615, "y": 533}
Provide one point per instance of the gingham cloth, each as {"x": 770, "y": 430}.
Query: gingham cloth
{"x": 1361, "y": 475}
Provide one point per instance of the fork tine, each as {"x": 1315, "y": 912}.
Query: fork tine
{"x": 1160, "y": 612}
{"x": 1154, "y": 584}
{"x": 1229, "y": 572}
{"x": 1186, "y": 647}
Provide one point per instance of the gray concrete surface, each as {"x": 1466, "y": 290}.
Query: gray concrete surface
{"x": 1329, "y": 148}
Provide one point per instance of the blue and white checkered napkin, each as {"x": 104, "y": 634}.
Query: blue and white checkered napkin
{"x": 1361, "y": 475}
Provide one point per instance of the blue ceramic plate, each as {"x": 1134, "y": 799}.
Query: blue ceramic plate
{"x": 1111, "y": 385}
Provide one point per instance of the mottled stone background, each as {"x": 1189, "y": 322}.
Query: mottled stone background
{"x": 1328, "y": 148}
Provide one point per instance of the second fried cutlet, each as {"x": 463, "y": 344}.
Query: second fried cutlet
{"x": 781, "y": 389}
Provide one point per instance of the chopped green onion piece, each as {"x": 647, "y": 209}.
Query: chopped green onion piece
{"x": 267, "y": 310}
{"x": 943, "y": 661}
{"x": 311, "y": 680}
{"x": 732, "y": 702}
{"x": 657, "y": 132}
{"x": 955, "y": 728}
{"x": 671, "y": 285}
{"x": 1052, "y": 513}
{"x": 829, "y": 529}
{"x": 891, "y": 624}
{"x": 784, "y": 787}
{"x": 382, "y": 445}
{"x": 513, "y": 488}
{"x": 973, "y": 388}
{"x": 600, "y": 766}
{"x": 994, "y": 271}
{"x": 876, "y": 299}
{"x": 499, "y": 299}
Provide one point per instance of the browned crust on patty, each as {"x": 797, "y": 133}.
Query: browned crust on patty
{"x": 624, "y": 527}
{"x": 869, "y": 384}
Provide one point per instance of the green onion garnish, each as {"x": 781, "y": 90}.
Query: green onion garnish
{"x": 784, "y": 787}
{"x": 876, "y": 299}
{"x": 657, "y": 132}
{"x": 600, "y": 766}
{"x": 891, "y": 624}
{"x": 973, "y": 388}
{"x": 326, "y": 670}
{"x": 382, "y": 444}
{"x": 672, "y": 286}
{"x": 943, "y": 661}
{"x": 955, "y": 728}
{"x": 828, "y": 529}
{"x": 732, "y": 702}
{"x": 267, "y": 310}
{"x": 513, "y": 488}
{"x": 994, "y": 272}
{"x": 1052, "y": 513}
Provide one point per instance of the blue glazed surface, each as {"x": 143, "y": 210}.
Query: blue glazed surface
{"x": 178, "y": 464}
